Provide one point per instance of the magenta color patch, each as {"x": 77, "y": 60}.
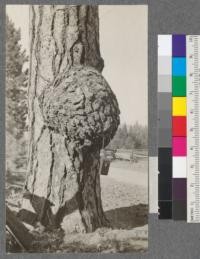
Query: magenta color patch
{"x": 179, "y": 146}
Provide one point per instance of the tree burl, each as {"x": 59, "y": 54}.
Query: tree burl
{"x": 81, "y": 106}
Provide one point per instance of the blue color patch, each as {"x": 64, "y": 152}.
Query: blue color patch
{"x": 179, "y": 66}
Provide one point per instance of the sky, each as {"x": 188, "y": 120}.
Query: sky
{"x": 123, "y": 46}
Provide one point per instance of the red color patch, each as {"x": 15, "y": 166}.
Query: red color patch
{"x": 179, "y": 126}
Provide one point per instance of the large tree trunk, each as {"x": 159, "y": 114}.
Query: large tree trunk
{"x": 62, "y": 184}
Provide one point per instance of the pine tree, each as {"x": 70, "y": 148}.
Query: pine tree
{"x": 15, "y": 57}
{"x": 16, "y": 82}
{"x": 72, "y": 114}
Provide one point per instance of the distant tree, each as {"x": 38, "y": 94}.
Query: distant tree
{"x": 129, "y": 142}
{"x": 16, "y": 82}
{"x": 15, "y": 57}
{"x": 117, "y": 141}
{"x": 129, "y": 137}
{"x": 124, "y": 130}
{"x": 138, "y": 134}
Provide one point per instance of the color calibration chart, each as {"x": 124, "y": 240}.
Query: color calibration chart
{"x": 179, "y": 127}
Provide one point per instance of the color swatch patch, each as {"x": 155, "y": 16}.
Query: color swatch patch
{"x": 179, "y": 147}
{"x": 179, "y": 85}
{"x": 179, "y": 126}
{"x": 179, "y": 106}
{"x": 179, "y": 167}
{"x": 178, "y": 66}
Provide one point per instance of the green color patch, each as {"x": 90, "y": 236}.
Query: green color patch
{"x": 179, "y": 86}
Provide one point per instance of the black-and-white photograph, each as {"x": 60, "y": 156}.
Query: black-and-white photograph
{"x": 76, "y": 128}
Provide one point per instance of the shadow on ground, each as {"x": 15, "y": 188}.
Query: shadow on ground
{"x": 128, "y": 217}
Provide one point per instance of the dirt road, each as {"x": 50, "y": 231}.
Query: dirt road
{"x": 126, "y": 173}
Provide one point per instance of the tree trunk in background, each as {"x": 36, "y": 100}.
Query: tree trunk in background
{"x": 60, "y": 37}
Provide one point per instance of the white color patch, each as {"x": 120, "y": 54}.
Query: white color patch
{"x": 179, "y": 167}
{"x": 165, "y": 45}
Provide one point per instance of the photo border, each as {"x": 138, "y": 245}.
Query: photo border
{"x": 167, "y": 239}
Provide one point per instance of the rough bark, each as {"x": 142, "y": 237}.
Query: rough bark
{"x": 72, "y": 115}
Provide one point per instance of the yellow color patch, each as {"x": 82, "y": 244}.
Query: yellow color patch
{"x": 179, "y": 106}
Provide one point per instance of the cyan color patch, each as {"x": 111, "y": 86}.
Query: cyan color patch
{"x": 179, "y": 66}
